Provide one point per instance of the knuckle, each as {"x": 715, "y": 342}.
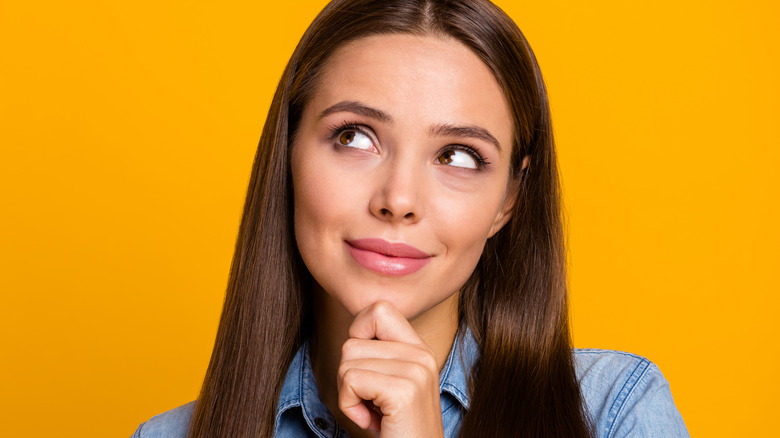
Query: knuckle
{"x": 425, "y": 357}
{"x": 422, "y": 374}
{"x": 406, "y": 391}
{"x": 343, "y": 403}
{"x": 429, "y": 361}
{"x": 380, "y": 308}
{"x": 349, "y": 376}
{"x": 343, "y": 369}
{"x": 347, "y": 348}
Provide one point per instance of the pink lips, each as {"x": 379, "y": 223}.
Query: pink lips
{"x": 387, "y": 258}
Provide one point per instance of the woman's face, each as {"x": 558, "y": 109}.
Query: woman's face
{"x": 400, "y": 171}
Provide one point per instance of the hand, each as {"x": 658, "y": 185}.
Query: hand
{"x": 388, "y": 378}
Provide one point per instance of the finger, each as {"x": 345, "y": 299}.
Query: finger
{"x": 383, "y": 321}
{"x": 388, "y": 393}
{"x": 352, "y": 400}
{"x": 376, "y": 416}
{"x": 355, "y": 348}
{"x": 424, "y": 376}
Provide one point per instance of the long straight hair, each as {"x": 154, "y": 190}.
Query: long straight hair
{"x": 515, "y": 302}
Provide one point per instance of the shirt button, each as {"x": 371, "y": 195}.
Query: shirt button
{"x": 319, "y": 422}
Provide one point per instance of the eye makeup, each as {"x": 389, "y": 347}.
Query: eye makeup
{"x": 479, "y": 160}
{"x": 337, "y": 131}
{"x": 352, "y": 136}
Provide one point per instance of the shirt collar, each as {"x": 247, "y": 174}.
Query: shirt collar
{"x": 455, "y": 374}
{"x": 300, "y": 387}
{"x": 300, "y": 390}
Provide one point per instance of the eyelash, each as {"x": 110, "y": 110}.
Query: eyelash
{"x": 481, "y": 161}
{"x": 336, "y": 130}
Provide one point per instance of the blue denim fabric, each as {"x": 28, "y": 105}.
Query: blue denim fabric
{"x": 626, "y": 395}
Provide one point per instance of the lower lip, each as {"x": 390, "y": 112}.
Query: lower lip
{"x": 382, "y": 264}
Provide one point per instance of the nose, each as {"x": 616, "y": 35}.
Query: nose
{"x": 398, "y": 193}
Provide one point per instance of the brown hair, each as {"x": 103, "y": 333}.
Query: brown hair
{"x": 515, "y": 302}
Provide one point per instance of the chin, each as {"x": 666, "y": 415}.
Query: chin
{"x": 367, "y": 299}
{"x": 356, "y": 300}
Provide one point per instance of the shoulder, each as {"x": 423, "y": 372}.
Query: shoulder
{"x": 626, "y": 395}
{"x": 171, "y": 424}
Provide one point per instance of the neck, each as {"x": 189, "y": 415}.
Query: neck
{"x": 437, "y": 327}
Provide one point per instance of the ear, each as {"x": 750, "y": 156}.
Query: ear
{"x": 505, "y": 212}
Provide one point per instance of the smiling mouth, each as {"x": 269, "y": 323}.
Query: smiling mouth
{"x": 382, "y": 257}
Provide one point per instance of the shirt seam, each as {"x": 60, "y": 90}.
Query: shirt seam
{"x": 453, "y": 406}
{"x": 304, "y": 411}
{"x": 598, "y": 351}
{"x": 137, "y": 433}
{"x": 619, "y": 405}
{"x": 287, "y": 402}
{"x": 455, "y": 392}
{"x": 446, "y": 372}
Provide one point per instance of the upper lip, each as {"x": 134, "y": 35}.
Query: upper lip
{"x": 389, "y": 249}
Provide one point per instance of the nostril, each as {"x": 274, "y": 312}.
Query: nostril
{"x": 389, "y": 215}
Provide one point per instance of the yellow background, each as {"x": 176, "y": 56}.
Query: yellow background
{"x": 128, "y": 130}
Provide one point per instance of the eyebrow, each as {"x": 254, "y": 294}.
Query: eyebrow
{"x": 359, "y": 109}
{"x": 469, "y": 131}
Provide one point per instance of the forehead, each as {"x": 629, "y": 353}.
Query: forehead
{"x": 422, "y": 79}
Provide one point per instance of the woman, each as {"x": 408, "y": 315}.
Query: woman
{"x": 400, "y": 268}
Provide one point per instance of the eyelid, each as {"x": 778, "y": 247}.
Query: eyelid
{"x": 337, "y": 129}
{"x": 472, "y": 151}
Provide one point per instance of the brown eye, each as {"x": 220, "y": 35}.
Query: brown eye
{"x": 346, "y": 137}
{"x": 355, "y": 138}
{"x": 446, "y": 157}
{"x": 460, "y": 158}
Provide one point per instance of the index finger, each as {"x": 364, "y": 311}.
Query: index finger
{"x": 383, "y": 321}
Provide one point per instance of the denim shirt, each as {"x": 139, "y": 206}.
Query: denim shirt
{"x": 626, "y": 396}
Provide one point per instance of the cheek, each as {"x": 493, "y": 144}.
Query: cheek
{"x": 320, "y": 201}
{"x": 306, "y": 197}
{"x": 464, "y": 224}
